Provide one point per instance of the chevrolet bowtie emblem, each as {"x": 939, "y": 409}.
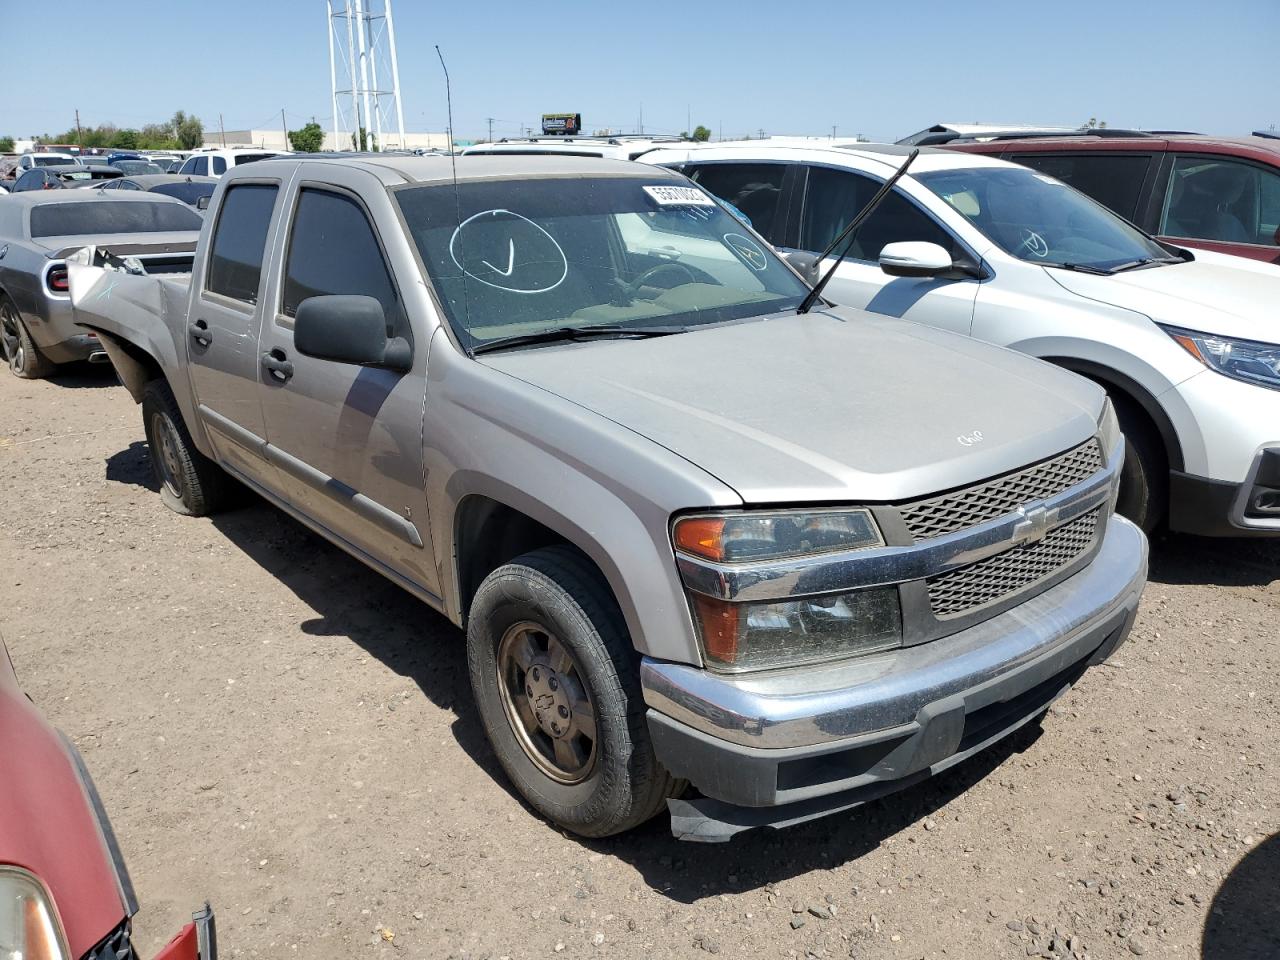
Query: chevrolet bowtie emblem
{"x": 1035, "y": 525}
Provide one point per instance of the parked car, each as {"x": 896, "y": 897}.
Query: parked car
{"x": 64, "y": 890}
{"x": 1185, "y": 343}
{"x": 63, "y": 177}
{"x": 1210, "y": 193}
{"x": 614, "y": 148}
{"x": 93, "y": 160}
{"x": 37, "y": 327}
{"x": 217, "y": 162}
{"x": 191, "y": 190}
{"x": 651, "y": 484}
{"x": 29, "y": 161}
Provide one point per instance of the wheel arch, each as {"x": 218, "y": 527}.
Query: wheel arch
{"x": 1115, "y": 382}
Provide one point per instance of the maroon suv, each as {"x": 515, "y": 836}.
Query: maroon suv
{"x": 1219, "y": 193}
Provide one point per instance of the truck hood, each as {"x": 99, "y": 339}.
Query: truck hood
{"x": 835, "y": 405}
{"x": 1209, "y": 295}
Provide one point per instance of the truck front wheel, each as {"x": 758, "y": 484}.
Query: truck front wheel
{"x": 190, "y": 483}
{"x": 555, "y": 681}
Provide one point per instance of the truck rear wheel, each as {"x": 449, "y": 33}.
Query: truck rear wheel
{"x": 190, "y": 483}
{"x": 24, "y": 357}
{"x": 555, "y": 681}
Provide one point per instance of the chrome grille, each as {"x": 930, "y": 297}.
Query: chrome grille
{"x": 995, "y": 498}
{"x": 962, "y": 591}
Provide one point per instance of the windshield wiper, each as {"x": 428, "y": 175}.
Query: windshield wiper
{"x": 1080, "y": 268}
{"x": 1144, "y": 262}
{"x": 559, "y": 334}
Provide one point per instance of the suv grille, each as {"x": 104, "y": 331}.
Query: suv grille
{"x": 961, "y": 509}
{"x": 962, "y": 591}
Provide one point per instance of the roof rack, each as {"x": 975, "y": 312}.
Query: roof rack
{"x": 1267, "y": 134}
{"x": 1103, "y": 133}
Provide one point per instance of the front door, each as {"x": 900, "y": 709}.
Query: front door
{"x": 832, "y": 198}
{"x": 347, "y": 439}
{"x": 223, "y": 328}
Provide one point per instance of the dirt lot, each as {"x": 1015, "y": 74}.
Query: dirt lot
{"x": 277, "y": 729}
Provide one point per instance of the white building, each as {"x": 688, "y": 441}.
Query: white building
{"x": 275, "y": 140}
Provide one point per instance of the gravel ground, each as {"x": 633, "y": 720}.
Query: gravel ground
{"x": 277, "y": 729}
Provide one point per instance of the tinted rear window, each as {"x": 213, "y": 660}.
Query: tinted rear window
{"x": 186, "y": 192}
{"x": 105, "y": 216}
{"x": 249, "y": 158}
{"x": 235, "y": 264}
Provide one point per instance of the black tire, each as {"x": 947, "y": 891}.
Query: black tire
{"x": 190, "y": 483}
{"x": 1144, "y": 480}
{"x": 20, "y": 352}
{"x": 557, "y": 590}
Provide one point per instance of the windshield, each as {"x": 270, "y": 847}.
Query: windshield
{"x": 105, "y": 216}
{"x": 1041, "y": 220}
{"x": 135, "y": 167}
{"x": 526, "y": 256}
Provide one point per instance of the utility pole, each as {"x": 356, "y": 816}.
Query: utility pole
{"x": 688, "y": 119}
{"x": 284, "y": 128}
{"x": 79, "y": 138}
{"x": 833, "y": 131}
{"x": 761, "y": 132}
{"x": 223, "y": 129}
{"x": 490, "y": 119}
{"x": 642, "y": 119}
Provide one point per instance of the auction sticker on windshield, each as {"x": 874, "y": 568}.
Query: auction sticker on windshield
{"x": 679, "y": 197}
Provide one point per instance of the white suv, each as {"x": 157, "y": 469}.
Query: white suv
{"x": 1186, "y": 344}
{"x": 214, "y": 163}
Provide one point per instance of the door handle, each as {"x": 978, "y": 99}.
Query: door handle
{"x": 280, "y": 368}
{"x": 200, "y": 333}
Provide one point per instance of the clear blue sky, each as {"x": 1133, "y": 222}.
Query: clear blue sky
{"x": 881, "y": 69}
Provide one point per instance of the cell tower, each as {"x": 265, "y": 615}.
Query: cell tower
{"x": 364, "y": 75}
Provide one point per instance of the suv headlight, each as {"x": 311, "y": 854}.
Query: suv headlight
{"x": 802, "y": 628}
{"x": 29, "y": 926}
{"x": 1248, "y": 360}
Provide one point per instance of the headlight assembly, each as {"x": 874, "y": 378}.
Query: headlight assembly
{"x": 29, "y": 926}
{"x": 803, "y": 628}
{"x": 1247, "y": 360}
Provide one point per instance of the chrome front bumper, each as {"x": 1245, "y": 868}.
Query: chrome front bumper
{"x": 831, "y": 737}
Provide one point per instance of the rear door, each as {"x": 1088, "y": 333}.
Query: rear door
{"x": 1116, "y": 180}
{"x": 1228, "y": 204}
{"x": 224, "y": 324}
{"x": 347, "y": 439}
{"x": 831, "y": 198}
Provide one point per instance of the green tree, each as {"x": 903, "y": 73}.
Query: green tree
{"x": 6, "y": 144}
{"x": 307, "y": 140}
{"x": 187, "y": 130}
{"x": 125, "y": 139}
{"x": 701, "y": 134}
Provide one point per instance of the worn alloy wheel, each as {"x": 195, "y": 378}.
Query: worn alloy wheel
{"x": 24, "y": 358}
{"x": 546, "y": 702}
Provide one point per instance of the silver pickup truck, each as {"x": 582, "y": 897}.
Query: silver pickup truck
{"x": 710, "y": 553}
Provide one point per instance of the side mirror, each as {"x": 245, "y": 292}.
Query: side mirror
{"x": 806, "y": 264}
{"x": 348, "y": 329}
{"x": 913, "y": 258}
{"x": 202, "y": 203}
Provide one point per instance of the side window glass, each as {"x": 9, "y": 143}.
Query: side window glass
{"x": 219, "y": 166}
{"x": 240, "y": 241}
{"x": 754, "y": 189}
{"x": 333, "y": 250}
{"x": 834, "y": 197}
{"x": 1212, "y": 199}
{"x": 1114, "y": 180}
{"x": 202, "y": 166}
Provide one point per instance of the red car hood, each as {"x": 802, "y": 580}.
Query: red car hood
{"x": 48, "y": 823}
